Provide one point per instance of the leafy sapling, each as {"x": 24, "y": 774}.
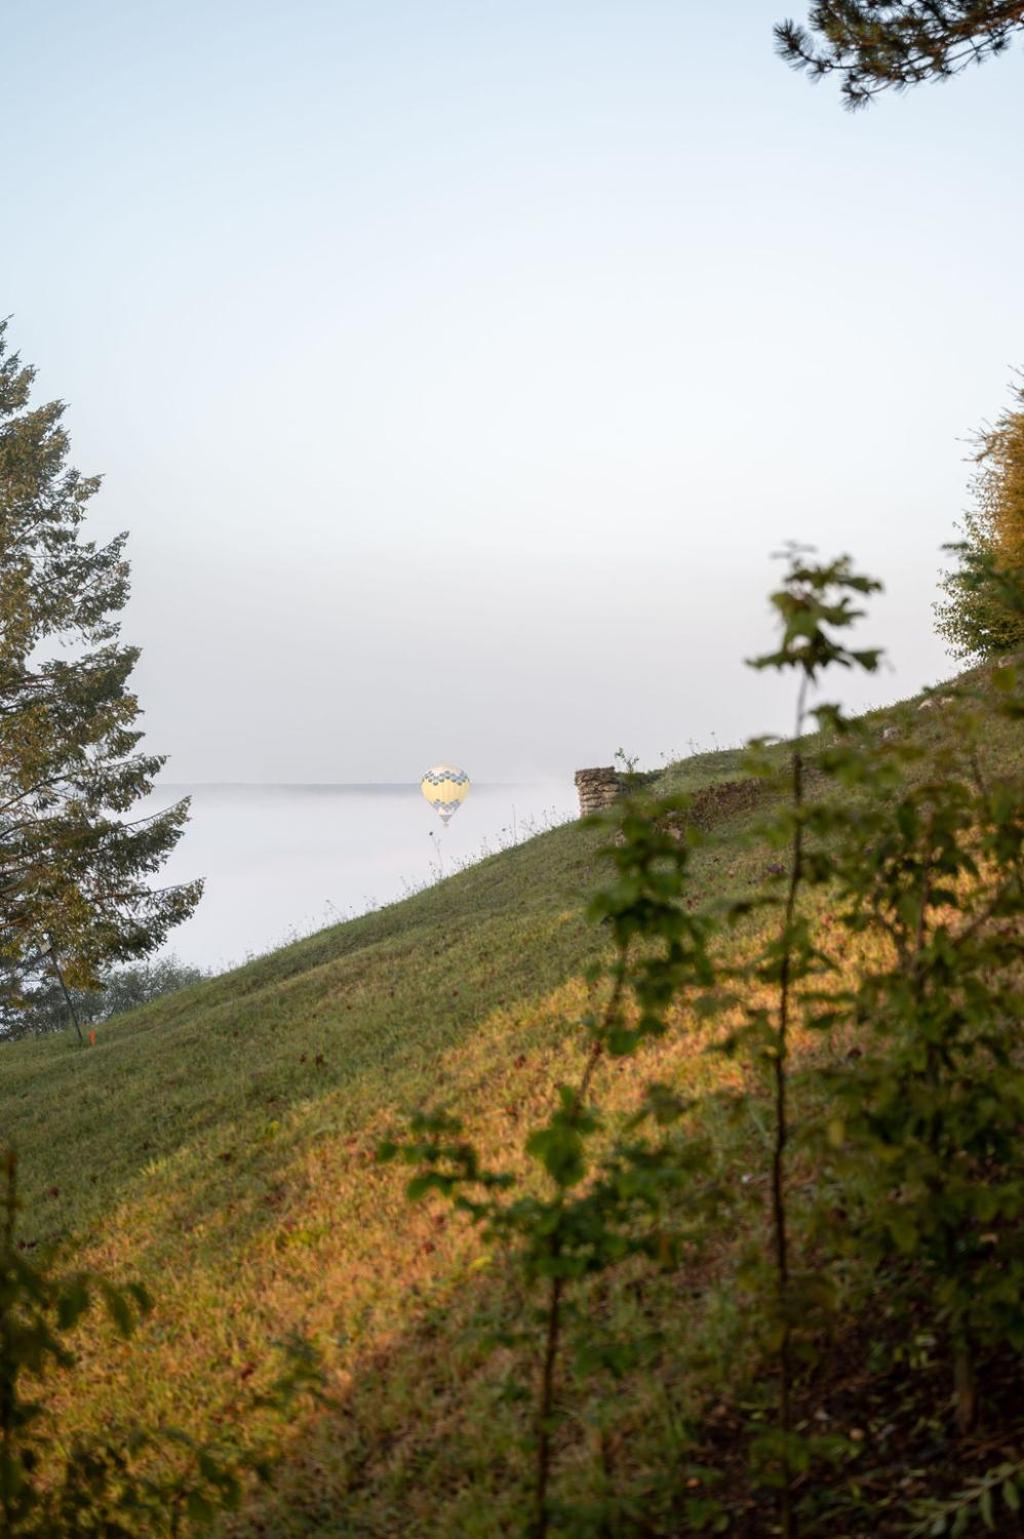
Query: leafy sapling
{"x": 815, "y": 606}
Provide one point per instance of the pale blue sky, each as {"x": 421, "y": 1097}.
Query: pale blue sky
{"x": 457, "y": 367}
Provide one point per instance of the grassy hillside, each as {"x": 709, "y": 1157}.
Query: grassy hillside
{"x": 219, "y": 1144}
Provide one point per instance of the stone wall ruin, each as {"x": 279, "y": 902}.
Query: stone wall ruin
{"x": 598, "y": 788}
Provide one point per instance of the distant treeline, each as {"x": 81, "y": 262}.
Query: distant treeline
{"x": 123, "y": 988}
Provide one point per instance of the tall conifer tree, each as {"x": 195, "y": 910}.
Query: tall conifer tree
{"x": 75, "y": 867}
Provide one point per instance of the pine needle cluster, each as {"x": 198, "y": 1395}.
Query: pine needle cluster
{"x": 879, "y": 45}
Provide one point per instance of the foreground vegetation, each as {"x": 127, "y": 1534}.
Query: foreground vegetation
{"x": 221, "y": 1147}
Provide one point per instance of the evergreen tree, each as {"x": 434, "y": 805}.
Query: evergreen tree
{"x": 980, "y": 615}
{"x": 74, "y": 867}
{"x": 879, "y": 45}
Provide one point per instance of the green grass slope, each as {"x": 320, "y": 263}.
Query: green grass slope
{"x": 219, "y": 1145}
{"x": 356, "y": 1016}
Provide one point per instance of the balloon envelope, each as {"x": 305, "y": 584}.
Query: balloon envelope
{"x": 445, "y": 788}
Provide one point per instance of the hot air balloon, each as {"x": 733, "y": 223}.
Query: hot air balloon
{"x": 445, "y": 788}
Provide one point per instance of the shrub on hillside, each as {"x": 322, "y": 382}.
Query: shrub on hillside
{"x": 980, "y": 615}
